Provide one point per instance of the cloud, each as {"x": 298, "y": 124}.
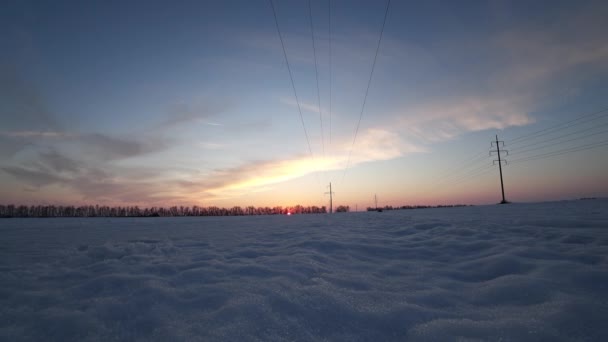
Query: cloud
{"x": 93, "y": 184}
{"x": 36, "y": 134}
{"x": 109, "y": 148}
{"x": 27, "y": 121}
{"x": 493, "y": 80}
{"x": 373, "y": 145}
{"x": 297, "y": 46}
{"x": 96, "y": 145}
{"x": 455, "y": 110}
{"x": 127, "y": 191}
{"x": 522, "y": 70}
{"x": 303, "y": 105}
{"x": 34, "y": 177}
{"x": 210, "y": 145}
{"x": 249, "y": 126}
{"x": 9, "y": 147}
{"x": 379, "y": 144}
{"x": 115, "y": 184}
{"x": 12, "y": 142}
{"x": 541, "y": 55}
{"x": 447, "y": 118}
{"x": 253, "y": 176}
{"x": 56, "y": 162}
{"x": 199, "y": 112}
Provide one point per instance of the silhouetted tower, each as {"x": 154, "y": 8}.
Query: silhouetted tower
{"x": 330, "y": 193}
{"x": 376, "y": 201}
{"x": 499, "y": 160}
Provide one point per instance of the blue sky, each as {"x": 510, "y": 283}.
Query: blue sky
{"x": 162, "y": 103}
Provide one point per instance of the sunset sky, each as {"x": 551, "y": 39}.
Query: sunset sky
{"x": 190, "y": 102}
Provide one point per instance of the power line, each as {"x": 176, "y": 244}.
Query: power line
{"x": 314, "y": 51}
{"x": 464, "y": 168}
{"x": 293, "y": 85}
{"x": 487, "y": 169}
{"x": 462, "y": 173}
{"x": 464, "y": 165}
{"x": 518, "y": 152}
{"x": 561, "y": 152}
{"x": 447, "y": 171}
{"x": 558, "y": 127}
{"x": 484, "y": 169}
{"x": 329, "y": 10}
{"x": 471, "y": 174}
{"x": 367, "y": 90}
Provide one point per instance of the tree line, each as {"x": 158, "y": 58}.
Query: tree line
{"x": 8, "y": 211}
{"x": 405, "y": 207}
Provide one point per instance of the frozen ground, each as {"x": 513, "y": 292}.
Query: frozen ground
{"x": 522, "y": 272}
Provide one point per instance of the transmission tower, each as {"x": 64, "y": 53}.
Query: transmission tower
{"x": 330, "y": 193}
{"x": 500, "y": 161}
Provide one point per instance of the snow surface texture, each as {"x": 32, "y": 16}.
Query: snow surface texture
{"x": 520, "y": 272}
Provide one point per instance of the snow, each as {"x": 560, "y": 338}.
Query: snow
{"x": 518, "y": 272}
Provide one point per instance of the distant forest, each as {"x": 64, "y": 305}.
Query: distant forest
{"x": 8, "y": 211}
{"x": 390, "y": 207}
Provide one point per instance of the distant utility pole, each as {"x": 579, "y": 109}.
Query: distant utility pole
{"x": 499, "y": 160}
{"x": 330, "y": 193}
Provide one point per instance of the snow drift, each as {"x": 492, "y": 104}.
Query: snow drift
{"x": 523, "y": 272}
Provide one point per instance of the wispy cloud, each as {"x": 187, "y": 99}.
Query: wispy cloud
{"x": 521, "y": 69}
{"x": 304, "y": 105}
{"x": 117, "y": 148}
{"x": 98, "y": 145}
{"x": 251, "y": 177}
{"x": 36, "y": 134}
{"x": 380, "y": 144}
{"x": 32, "y": 176}
{"x": 9, "y": 147}
{"x": 199, "y": 111}
{"x": 538, "y": 56}
{"x": 373, "y": 145}
{"x": 28, "y": 121}
{"x": 54, "y": 161}
{"x": 447, "y": 118}
{"x": 210, "y": 145}
{"x": 95, "y": 184}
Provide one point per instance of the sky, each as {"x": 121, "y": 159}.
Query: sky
{"x": 162, "y": 103}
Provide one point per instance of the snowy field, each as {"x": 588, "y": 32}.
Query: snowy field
{"x": 521, "y": 272}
